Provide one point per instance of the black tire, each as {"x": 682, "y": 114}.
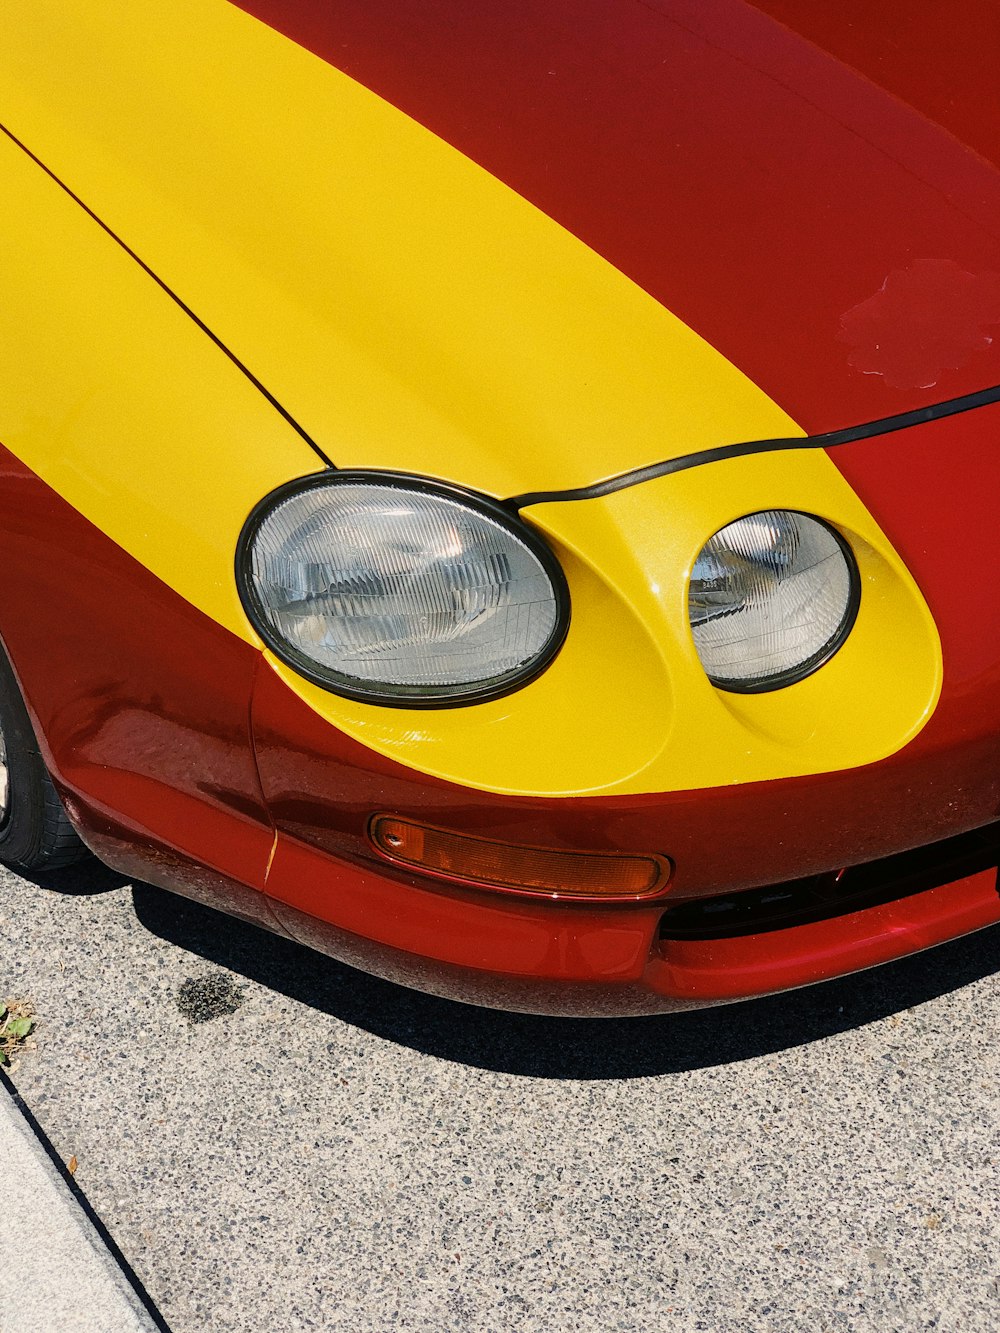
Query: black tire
{"x": 34, "y": 830}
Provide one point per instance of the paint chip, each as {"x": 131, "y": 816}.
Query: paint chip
{"x": 922, "y": 322}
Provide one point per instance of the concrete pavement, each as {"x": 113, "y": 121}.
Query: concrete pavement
{"x": 58, "y": 1273}
{"x": 282, "y": 1145}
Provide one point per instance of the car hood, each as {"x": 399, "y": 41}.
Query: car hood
{"x": 530, "y": 246}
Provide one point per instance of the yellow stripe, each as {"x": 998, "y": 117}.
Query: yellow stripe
{"x": 626, "y": 706}
{"x": 121, "y": 404}
{"x": 409, "y": 309}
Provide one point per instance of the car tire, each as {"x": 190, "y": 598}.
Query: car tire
{"x": 34, "y": 830}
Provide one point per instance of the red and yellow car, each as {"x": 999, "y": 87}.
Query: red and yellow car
{"x": 507, "y": 494}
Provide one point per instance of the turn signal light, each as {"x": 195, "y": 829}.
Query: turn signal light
{"x": 535, "y": 870}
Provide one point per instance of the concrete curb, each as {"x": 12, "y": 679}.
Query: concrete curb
{"x": 62, "y": 1272}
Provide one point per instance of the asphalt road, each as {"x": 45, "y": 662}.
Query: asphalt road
{"x": 278, "y": 1143}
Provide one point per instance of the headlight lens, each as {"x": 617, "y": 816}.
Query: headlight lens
{"x": 772, "y": 597}
{"x": 398, "y": 591}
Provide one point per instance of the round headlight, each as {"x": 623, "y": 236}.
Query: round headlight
{"x": 394, "y": 590}
{"x": 772, "y": 597}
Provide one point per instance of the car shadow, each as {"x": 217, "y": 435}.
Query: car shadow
{"x": 564, "y": 1048}
{"x": 86, "y": 878}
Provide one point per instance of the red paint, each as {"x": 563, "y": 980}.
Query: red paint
{"x": 527, "y": 938}
{"x": 941, "y": 59}
{"x": 475, "y": 983}
{"x": 734, "y": 969}
{"x": 598, "y": 964}
{"x": 934, "y": 491}
{"x": 141, "y": 703}
{"x": 750, "y": 180}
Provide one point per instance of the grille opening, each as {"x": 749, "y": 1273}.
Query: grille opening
{"x": 799, "y": 901}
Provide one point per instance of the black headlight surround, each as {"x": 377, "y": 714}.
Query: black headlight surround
{"x": 830, "y": 648}
{"x": 412, "y": 697}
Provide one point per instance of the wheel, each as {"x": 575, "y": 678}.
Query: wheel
{"x": 34, "y": 830}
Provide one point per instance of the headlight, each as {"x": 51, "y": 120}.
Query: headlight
{"x": 772, "y": 597}
{"x": 394, "y": 590}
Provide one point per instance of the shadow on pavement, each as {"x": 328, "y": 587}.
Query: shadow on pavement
{"x": 85, "y": 879}
{"x": 564, "y": 1047}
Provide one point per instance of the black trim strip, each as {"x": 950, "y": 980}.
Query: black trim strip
{"x": 885, "y": 426}
{"x": 177, "y": 301}
{"x": 823, "y": 897}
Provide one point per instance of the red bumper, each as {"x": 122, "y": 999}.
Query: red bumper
{"x": 564, "y": 959}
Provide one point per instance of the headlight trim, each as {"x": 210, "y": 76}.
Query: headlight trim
{"x": 489, "y": 508}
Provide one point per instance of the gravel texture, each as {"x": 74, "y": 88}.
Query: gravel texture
{"x": 277, "y": 1142}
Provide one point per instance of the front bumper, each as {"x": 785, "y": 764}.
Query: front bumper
{"x": 567, "y": 960}
{"x": 715, "y": 936}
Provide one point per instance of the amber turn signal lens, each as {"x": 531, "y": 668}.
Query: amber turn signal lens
{"x": 503, "y": 865}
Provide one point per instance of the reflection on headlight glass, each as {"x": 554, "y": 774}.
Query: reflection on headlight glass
{"x": 771, "y": 596}
{"x": 401, "y": 590}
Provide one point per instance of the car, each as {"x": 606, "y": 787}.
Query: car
{"x": 506, "y": 495}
